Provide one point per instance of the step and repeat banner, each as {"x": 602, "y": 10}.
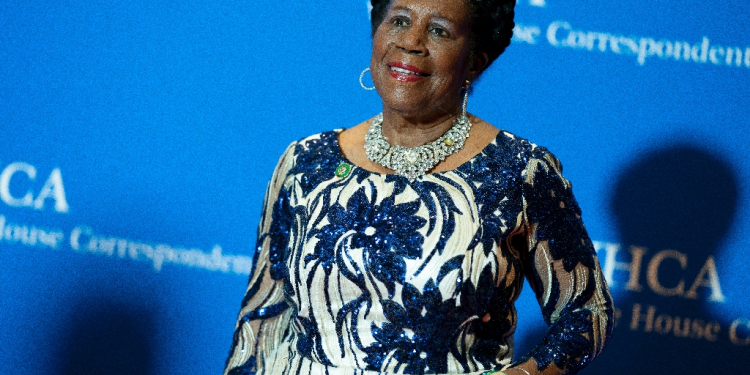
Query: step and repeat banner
{"x": 137, "y": 139}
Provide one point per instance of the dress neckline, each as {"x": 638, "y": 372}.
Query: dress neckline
{"x": 482, "y": 152}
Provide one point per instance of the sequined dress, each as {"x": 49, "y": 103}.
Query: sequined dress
{"x": 371, "y": 273}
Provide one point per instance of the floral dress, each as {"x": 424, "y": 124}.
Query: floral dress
{"x": 359, "y": 272}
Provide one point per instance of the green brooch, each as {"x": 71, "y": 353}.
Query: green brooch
{"x": 343, "y": 170}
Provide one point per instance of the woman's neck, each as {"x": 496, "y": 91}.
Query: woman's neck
{"x": 413, "y": 131}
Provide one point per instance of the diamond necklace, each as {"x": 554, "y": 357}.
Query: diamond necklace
{"x": 413, "y": 162}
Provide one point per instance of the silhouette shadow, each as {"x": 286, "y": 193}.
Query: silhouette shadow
{"x": 682, "y": 199}
{"x": 109, "y": 338}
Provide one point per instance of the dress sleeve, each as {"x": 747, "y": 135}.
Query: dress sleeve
{"x": 562, "y": 268}
{"x": 264, "y": 317}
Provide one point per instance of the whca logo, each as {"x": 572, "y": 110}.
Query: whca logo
{"x": 17, "y": 188}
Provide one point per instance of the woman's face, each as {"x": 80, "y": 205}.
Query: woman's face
{"x": 420, "y": 57}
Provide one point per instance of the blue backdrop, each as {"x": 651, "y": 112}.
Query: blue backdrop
{"x": 138, "y": 138}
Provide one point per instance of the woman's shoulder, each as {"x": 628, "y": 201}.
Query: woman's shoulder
{"x": 533, "y": 160}
{"x": 324, "y": 143}
{"x": 318, "y": 141}
{"x": 313, "y": 154}
{"x": 519, "y": 147}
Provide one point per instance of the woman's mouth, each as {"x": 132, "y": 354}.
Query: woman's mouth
{"x": 405, "y": 73}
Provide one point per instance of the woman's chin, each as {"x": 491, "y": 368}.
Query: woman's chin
{"x": 406, "y": 107}
{"x": 404, "y": 98}
{"x": 413, "y": 104}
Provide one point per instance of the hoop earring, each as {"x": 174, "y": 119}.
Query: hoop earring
{"x": 466, "y": 97}
{"x": 362, "y": 83}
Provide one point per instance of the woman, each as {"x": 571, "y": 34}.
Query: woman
{"x": 400, "y": 245}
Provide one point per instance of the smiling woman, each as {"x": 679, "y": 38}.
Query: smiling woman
{"x": 420, "y": 61}
{"x": 400, "y": 245}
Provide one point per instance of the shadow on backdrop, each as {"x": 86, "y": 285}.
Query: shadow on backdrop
{"x": 676, "y": 206}
{"x": 109, "y": 338}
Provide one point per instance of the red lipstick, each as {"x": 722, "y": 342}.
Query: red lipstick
{"x": 405, "y": 72}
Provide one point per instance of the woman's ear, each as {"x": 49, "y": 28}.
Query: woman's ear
{"x": 478, "y": 64}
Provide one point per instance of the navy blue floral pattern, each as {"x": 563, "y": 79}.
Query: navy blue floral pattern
{"x": 372, "y": 273}
{"x": 387, "y": 233}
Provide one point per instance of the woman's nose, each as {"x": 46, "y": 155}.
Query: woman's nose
{"x": 412, "y": 42}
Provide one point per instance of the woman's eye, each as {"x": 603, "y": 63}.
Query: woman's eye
{"x": 400, "y": 21}
{"x": 439, "y": 32}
